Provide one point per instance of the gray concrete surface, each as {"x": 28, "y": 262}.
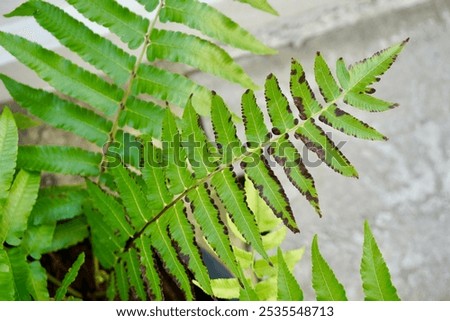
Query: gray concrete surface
{"x": 404, "y": 185}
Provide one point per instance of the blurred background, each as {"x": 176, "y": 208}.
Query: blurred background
{"x": 404, "y": 185}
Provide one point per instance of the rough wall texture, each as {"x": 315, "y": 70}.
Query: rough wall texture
{"x": 404, "y": 189}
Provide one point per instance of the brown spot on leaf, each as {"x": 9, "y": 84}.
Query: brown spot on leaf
{"x": 276, "y": 131}
{"x": 339, "y": 112}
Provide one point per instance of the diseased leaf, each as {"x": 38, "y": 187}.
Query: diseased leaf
{"x": 59, "y": 159}
{"x": 9, "y": 139}
{"x": 377, "y": 284}
{"x": 255, "y": 128}
{"x": 324, "y": 282}
{"x": 327, "y": 84}
{"x": 346, "y": 123}
{"x": 182, "y": 232}
{"x": 367, "y": 71}
{"x": 318, "y": 142}
{"x": 366, "y": 102}
{"x": 225, "y": 132}
{"x": 302, "y": 94}
{"x": 233, "y": 199}
{"x": 270, "y": 189}
{"x": 150, "y": 273}
{"x": 289, "y": 158}
{"x": 278, "y": 107}
{"x": 130, "y": 27}
{"x": 213, "y": 24}
{"x": 196, "y": 52}
{"x": 288, "y": 287}
{"x": 134, "y": 275}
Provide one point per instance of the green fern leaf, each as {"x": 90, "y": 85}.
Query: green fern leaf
{"x": 18, "y": 206}
{"x": 134, "y": 275}
{"x": 263, "y": 269}
{"x": 304, "y": 98}
{"x": 179, "y": 178}
{"x": 9, "y": 139}
{"x": 106, "y": 246}
{"x": 57, "y": 203}
{"x": 59, "y": 112}
{"x": 59, "y": 159}
{"x": 130, "y": 27}
{"x": 196, "y": 143}
{"x": 255, "y": 128}
{"x": 207, "y": 216}
{"x": 289, "y": 158}
{"x": 37, "y": 240}
{"x": 234, "y": 201}
{"x": 327, "y": 84}
{"x": 346, "y": 123}
{"x": 324, "y": 282}
{"x": 268, "y": 185}
{"x": 153, "y": 172}
{"x": 38, "y": 282}
{"x": 367, "y": 71}
{"x": 94, "y": 49}
{"x": 261, "y": 5}
{"x": 227, "y": 289}
{"x": 68, "y": 234}
{"x": 7, "y": 290}
{"x": 122, "y": 281}
{"x": 288, "y": 287}
{"x": 224, "y": 130}
{"x": 132, "y": 196}
{"x": 64, "y": 75}
{"x": 112, "y": 211}
{"x": 151, "y": 276}
{"x": 171, "y": 87}
{"x": 70, "y": 277}
{"x": 213, "y": 24}
{"x": 182, "y": 232}
{"x": 318, "y": 142}
{"x": 366, "y": 102}
{"x": 196, "y": 52}
{"x": 21, "y": 272}
{"x": 144, "y": 116}
{"x": 150, "y": 5}
{"x": 342, "y": 73}
{"x": 278, "y": 107}
{"x": 162, "y": 243}
{"x": 377, "y": 284}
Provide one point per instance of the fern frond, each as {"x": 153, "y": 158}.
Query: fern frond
{"x": 58, "y": 112}
{"x": 288, "y": 287}
{"x": 327, "y": 84}
{"x": 377, "y": 284}
{"x": 213, "y": 24}
{"x": 70, "y": 277}
{"x": 63, "y": 74}
{"x": 9, "y": 138}
{"x": 150, "y": 274}
{"x": 93, "y": 48}
{"x": 199, "y": 53}
{"x": 68, "y": 234}
{"x": 130, "y": 27}
{"x": 38, "y": 282}
{"x": 59, "y": 159}
{"x": 324, "y": 282}
{"x": 7, "y": 290}
{"x": 134, "y": 275}
{"x": 17, "y": 209}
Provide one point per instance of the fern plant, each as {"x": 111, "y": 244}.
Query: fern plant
{"x": 157, "y": 190}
